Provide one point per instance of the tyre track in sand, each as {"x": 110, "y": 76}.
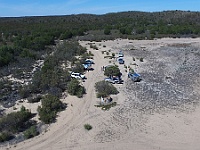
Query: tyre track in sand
{"x": 78, "y": 115}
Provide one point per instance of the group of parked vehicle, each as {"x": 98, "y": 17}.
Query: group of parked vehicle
{"x": 132, "y": 75}
{"x": 87, "y": 66}
{"x": 112, "y": 79}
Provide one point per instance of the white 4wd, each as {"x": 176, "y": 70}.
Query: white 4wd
{"x": 77, "y": 75}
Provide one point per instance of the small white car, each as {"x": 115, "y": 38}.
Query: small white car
{"x": 77, "y": 75}
{"x": 114, "y": 80}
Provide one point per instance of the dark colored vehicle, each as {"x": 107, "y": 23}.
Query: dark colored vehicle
{"x": 77, "y": 75}
{"x": 121, "y": 61}
{"x": 87, "y": 61}
{"x": 134, "y": 76}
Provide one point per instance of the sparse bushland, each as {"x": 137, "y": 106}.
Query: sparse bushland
{"x": 27, "y": 39}
{"x": 15, "y": 122}
{"x": 68, "y": 50}
{"x": 52, "y": 77}
{"x": 105, "y": 89}
{"x": 51, "y": 80}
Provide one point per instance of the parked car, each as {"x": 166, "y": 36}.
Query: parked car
{"x": 109, "y": 80}
{"x": 134, "y": 76}
{"x": 77, "y": 75}
{"x": 88, "y": 61}
{"x": 87, "y": 66}
{"x": 121, "y": 54}
{"x": 113, "y": 80}
{"x": 121, "y": 60}
{"x": 117, "y": 80}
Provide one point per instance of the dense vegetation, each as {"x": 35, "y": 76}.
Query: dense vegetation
{"x": 36, "y": 32}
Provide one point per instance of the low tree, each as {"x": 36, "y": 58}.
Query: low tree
{"x": 50, "y": 106}
{"x": 112, "y": 71}
{"x": 104, "y": 89}
{"x": 74, "y": 88}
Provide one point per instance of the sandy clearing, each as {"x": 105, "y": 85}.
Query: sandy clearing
{"x": 122, "y": 127}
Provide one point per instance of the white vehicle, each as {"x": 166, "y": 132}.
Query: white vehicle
{"x": 77, "y": 75}
{"x": 114, "y": 80}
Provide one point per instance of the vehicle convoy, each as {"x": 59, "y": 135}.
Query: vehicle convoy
{"x": 134, "y": 76}
{"x": 77, "y": 75}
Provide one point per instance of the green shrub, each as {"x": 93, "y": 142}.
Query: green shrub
{"x": 90, "y": 53}
{"x": 141, "y": 59}
{"x": 113, "y": 55}
{"x": 131, "y": 70}
{"x": 50, "y": 106}
{"x": 93, "y": 46}
{"x": 104, "y": 89}
{"x": 112, "y": 71}
{"x": 31, "y": 132}
{"x": 107, "y": 31}
{"x": 88, "y": 127}
{"x": 74, "y": 88}
{"x": 15, "y": 121}
{"x": 24, "y": 92}
{"x": 28, "y": 53}
{"x": 103, "y": 52}
{"x": 78, "y": 68}
{"x": 5, "y": 136}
